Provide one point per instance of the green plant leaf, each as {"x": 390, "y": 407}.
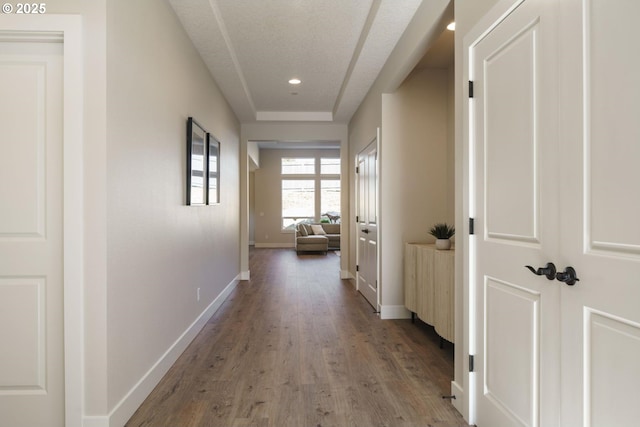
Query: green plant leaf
{"x": 442, "y": 231}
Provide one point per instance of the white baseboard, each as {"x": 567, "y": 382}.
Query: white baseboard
{"x": 345, "y": 274}
{"x": 130, "y": 403}
{"x": 458, "y": 392}
{"x": 394, "y": 312}
{"x": 88, "y": 421}
{"x": 275, "y": 245}
{"x": 245, "y": 275}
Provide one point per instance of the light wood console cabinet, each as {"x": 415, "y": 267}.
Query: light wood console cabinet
{"x": 429, "y": 286}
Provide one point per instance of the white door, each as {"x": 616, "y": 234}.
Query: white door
{"x": 582, "y": 210}
{"x": 600, "y": 207}
{"x": 367, "y": 220}
{"x": 31, "y": 242}
{"x": 514, "y": 137}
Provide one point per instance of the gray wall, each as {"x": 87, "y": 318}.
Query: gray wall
{"x": 414, "y": 172}
{"x": 145, "y": 252}
{"x": 160, "y": 251}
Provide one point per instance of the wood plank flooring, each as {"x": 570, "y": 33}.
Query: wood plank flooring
{"x": 296, "y": 346}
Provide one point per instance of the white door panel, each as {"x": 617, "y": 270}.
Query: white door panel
{"x": 612, "y": 137}
{"x": 601, "y": 207}
{"x": 22, "y": 326}
{"x": 512, "y": 347}
{"x": 511, "y": 187}
{"x": 31, "y": 243}
{"x": 612, "y": 348}
{"x": 24, "y": 85}
{"x": 515, "y": 141}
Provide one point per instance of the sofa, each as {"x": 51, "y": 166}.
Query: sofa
{"x": 324, "y": 237}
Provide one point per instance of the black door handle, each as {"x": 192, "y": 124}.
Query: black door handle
{"x": 568, "y": 276}
{"x": 365, "y": 230}
{"x": 549, "y": 271}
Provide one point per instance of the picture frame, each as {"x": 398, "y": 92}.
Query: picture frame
{"x": 196, "y": 164}
{"x": 213, "y": 168}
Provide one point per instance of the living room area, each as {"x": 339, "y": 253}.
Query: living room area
{"x": 294, "y": 186}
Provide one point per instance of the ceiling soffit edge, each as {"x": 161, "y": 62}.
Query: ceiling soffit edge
{"x": 232, "y": 53}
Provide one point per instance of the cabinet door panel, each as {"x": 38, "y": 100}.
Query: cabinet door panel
{"x": 425, "y": 285}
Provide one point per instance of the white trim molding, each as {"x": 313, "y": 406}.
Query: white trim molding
{"x": 95, "y": 421}
{"x": 275, "y": 245}
{"x": 294, "y": 116}
{"x": 394, "y": 312}
{"x": 346, "y": 275}
{"x": 458, "y": 392}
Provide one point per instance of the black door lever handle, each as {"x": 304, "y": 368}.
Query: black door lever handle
{"x": 568, "y": 276}
{"x": 549, "y": 271}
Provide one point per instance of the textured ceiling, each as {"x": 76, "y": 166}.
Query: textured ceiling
{"x": 336, "y": 47}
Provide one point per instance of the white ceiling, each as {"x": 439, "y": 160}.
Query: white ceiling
{"x": 336, "y": 47}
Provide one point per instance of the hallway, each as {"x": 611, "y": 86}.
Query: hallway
{"x": 297, "y": 346}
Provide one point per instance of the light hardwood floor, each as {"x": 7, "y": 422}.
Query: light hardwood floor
{"x": 296, "y": 346}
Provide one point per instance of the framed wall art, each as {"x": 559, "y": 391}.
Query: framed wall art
{"x": 196, "y": 164}
{"x": 213, "y": 166}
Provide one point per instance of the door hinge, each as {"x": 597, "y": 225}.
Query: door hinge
{"x": 470, "y": 88}
{"x": 357, "y": 169}
{"x": 357, "y": 218}
{"x": 357, "y": 268}
{"x": 472, "y": 226}
{"x": 471, "y": 363}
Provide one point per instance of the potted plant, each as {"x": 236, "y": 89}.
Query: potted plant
{"x": 443, "y": 233}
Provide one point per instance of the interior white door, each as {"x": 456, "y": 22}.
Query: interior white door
{"x": 367, "y": 220}
{"x": 600, "y": 206}
{"x": 31, "y": 242}
{"x": 514, "y": 138}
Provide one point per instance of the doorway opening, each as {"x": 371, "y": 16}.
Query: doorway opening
{"x": 294, "y": 183}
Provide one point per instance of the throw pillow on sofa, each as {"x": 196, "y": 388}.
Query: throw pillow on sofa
{"x": 317, "y": 229}
{"x": 302, "y": 230}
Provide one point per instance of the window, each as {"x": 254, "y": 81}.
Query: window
{"x": 298, "y": 166}
{"x": 298, "y": 201}
{"x": 330, "y": 166}
{"x": 310, "y": 190}
{"x": 330, "y": 196}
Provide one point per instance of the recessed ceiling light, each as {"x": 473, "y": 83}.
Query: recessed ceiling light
{"x": 451, "y": 27}
{"x": 295, "y": 81}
